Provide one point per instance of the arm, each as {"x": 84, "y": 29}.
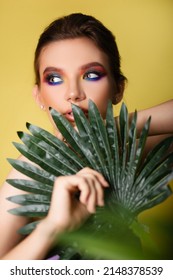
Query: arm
{"x": 161, "y": 119}
{"x": 9, "y": 223}
{"x": 161, "y": 123}
{"x": 71, "y": 214}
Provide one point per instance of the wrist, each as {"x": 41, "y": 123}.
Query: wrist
{"x": 50, "y": 230}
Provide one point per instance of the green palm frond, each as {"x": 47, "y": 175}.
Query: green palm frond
{"x": 136, "y": 182}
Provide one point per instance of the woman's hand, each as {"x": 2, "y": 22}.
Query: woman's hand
{"x": 67, "y": 212}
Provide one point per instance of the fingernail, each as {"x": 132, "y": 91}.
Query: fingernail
{"x": 101, "y": 203}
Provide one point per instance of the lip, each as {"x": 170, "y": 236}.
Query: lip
{"x": 70, "y": 117}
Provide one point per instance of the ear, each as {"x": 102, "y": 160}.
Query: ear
{"x": 37, "y": 97}
{"x": 119, "y": 94}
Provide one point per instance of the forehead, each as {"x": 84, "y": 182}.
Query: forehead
{"x": 72, "y": 52}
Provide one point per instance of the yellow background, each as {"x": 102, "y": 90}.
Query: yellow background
{"x": 144, "y": 32}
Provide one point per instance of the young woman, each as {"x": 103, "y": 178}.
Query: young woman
{"x": 76, "y": 59}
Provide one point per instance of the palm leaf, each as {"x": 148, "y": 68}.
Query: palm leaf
{"x": 88, "y": 147}
{"x": 136, "y": 182}
{"x": 113, "y": 138}
{"x": 93, "y": 136}
{"x": 154, "y": 157}
{"x": 32, "y": 210}
{"x": 28, "y": 228}
{"x": 123, "y": 124}
{"x": 36, "y": 158}
{"x": 27, "y": 199}
{"x": 57, "y": 144}
{"x": 68, "y": 132}
{"x": 99, "y": 130}
{"x": 32, "y": 171}
{"x": 49, "y": 155}
{"x": 31, "y": 186}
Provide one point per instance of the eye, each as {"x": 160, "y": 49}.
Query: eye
{"x": 92, "y": 76}
{"x": 54, "y": 79}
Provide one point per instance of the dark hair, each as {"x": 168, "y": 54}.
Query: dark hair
{"x": 79, "y": 25}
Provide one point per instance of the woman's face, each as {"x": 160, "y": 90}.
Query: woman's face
{"x": 74, "y": 71}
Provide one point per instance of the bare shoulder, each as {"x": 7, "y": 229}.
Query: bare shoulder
{"x": 7, "y": 190}
{"x": 14, "y": 174}
{"x": 10, "y": 223}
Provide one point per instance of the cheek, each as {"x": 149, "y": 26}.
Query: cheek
{"x": 102, "y": 107}
{"x": 51, "y": 96}
{"x": 101, "y": 102}
{"x": 100, "y": 94}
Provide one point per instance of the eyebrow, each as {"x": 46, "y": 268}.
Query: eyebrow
{"x": 83, "y": 67}
{"x": 52, "y": 69}
{"x": 90, "y": 65}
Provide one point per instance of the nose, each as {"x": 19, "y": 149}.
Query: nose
{"x": 75, "y": 92}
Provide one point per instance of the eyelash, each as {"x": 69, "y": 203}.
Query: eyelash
{"x": 50, "y": 79}
{"x": 98, "y": 75}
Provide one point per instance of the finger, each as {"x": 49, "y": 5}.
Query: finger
{"x": 85, "y": 189}
{"x": 93, "y": 182}
{"x": 94, "y": 195}
{"x": 99, "y": 193}
{"x": 92, "y": 200}
{"x": 98, "y": 175}
{"x": 90, "y": 190}
{"x": 88, "y": 195}
{"x": 74, "y": 183}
